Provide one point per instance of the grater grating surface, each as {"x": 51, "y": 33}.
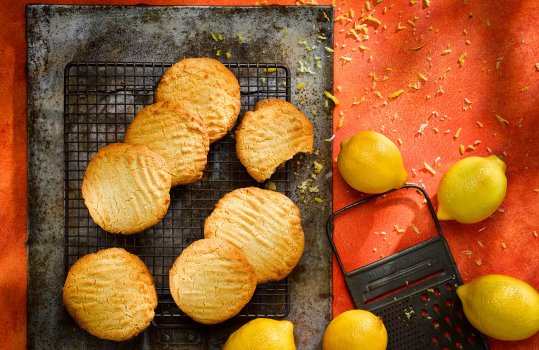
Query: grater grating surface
{"x": 413, "y": 291}
{"x": 100, "y": 100}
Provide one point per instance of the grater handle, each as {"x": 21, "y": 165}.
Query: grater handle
{"x": 329, "y": 224}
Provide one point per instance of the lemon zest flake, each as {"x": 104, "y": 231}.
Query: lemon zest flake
{"x": 332, "y": 97}
{"x": 417, "y": 48}
{"x": 373, "y": 20}
{"x": 429, "y": 168}
{"x": 400, "y": 27}
{"x": 502, "y": 120}
{"x": 445, "y": 52}
{"x": 395, "y": 94}
{"x": 461, "y": 59}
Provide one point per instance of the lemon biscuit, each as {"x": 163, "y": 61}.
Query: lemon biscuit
{"x": 207, "y": 89}
{"x": 168, "y": 129}
{"x": 110, "y": 294}
{"x": 270, "y": 135}
{"x": 126, "y": 188}
{"x": 265, "y": 225}
{"x": 211, "y": 281}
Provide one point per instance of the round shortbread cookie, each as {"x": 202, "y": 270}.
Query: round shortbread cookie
{"x": 207, "y": 89}
{"x": 110, "y": 294}
{"x": 270, "y": 135}
{"x": 168, "y": 129}
{"x": 126, "y": 188}
{"x": 265, "y": 225}
{"x": 211, "y": 281}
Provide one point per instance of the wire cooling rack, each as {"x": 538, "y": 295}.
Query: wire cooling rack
{"x": 100, "y": 100}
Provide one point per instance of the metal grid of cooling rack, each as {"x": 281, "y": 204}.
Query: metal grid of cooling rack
{"x": 100, "y": 100}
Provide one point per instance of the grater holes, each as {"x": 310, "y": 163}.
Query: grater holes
{"x": 447, "y": 320}
{"x": 436, "y": 308}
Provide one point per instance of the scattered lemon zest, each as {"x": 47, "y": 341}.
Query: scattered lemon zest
{"x": 417, "y": 48}
{"x": 462, "y": 58}
{"x": 271, "y": 186}
{"x": 318, "y": 200}
{"x": 269, "y": 70}
{"x": 479, "y": 124}
{"x": 395, "y": 94}
{"x": 461, "y": 149}
{"x": 498, "y": 62}
{"x": 371, "y": 19}
{"x": 332, "y": 98}
{"x": 399, "y": 230}
{"x": 502, "y": 120}
{"x": 445, "y": 52}
{"x": 330, "y": 138}
{"x": 478, "y": 262}
{"x": 416, "y": 230}
{"x": 422, "y": 77}
{"x": 341, "y": 121}
{"x": 429, "y": 168}
{"x": 300, "y": 86}
{"x": 355, "y": 102}
{"x": 400, "y": 27}
{"x": 457, "y": 134}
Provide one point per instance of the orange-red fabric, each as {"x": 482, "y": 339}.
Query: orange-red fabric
{"x": 479, "y": 58}
{"x": 497, "y": 76}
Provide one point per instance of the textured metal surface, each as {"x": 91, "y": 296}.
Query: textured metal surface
{"x": 61, "y": 34}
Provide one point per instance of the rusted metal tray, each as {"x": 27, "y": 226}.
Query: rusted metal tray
{"x": 128, "y": 47}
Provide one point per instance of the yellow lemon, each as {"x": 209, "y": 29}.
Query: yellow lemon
{"x": 262, "y": 334}
{"x": 502, "y": 307}
{"x": 472, "y": 189}
{"x": 371, "y": 163}
{"x": 354, "y": 330}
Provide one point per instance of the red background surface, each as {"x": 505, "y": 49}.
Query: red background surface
{"x": 498, "y": 31}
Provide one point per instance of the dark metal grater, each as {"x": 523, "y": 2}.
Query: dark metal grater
{"x": 413, "y": 291}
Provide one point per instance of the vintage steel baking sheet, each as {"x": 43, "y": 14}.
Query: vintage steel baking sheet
{"x": 294, "y": 37}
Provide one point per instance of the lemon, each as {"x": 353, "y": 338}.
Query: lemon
{"x": 371, "y": 163}
{"x": 472, "y": 189}
{"x": 355, "y": 330}
{"x": 500, "y": 306}
{"x": 262, "y": 334}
